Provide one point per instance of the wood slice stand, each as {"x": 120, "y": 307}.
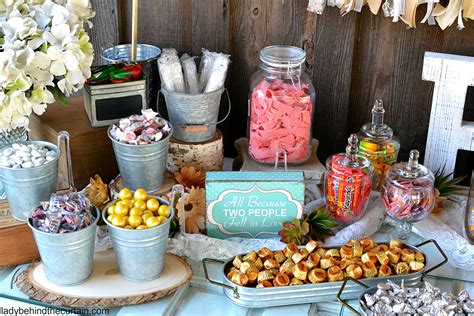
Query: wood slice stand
{"x": 207, "y": 156}
{"x": 106, "y": 287}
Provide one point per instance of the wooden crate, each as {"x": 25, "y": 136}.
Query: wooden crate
{"x": 91, "y": 148}
{"x": 16, "y": 239}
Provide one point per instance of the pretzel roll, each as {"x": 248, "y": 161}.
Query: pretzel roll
{"x": 237, "y": 262}
{"x": 408, "y": 255}
{"x": 297, "y": 257}
{"x": 416, "y": 266}
{"x": 247, "y": 267}
{"x": 287, "y": 266}
{"x": 367, "y": 243}
{"x": 312, "y": 261}
{"x": 321, "y": 252}
{"x": 333, "y": 252}
{"x": 385, "y": 270}
{"x": 382, "y": 258}
{"x": 290, "y": 249}
{"x": 346, "y": 252}
{"x": 240, "y": 278}
{"x": 296, "y": 281}
{"x": 357, "y": 249}
{"x": 281, "y": 279}
{"x": 264, "y": 275}
{"x": 369, "y": 256}
{"x": 317, "y": 275}
{"x": 381, "y": 247}
{"x": 396, "y": 243}
{"x": 370, "y": 271}
{"x": 402, "y": 268}
{"x": 393, "y": 255}
{"x": 271, "y": 264}
{"x": 344, "y": 263}
{"x": 279, "y": 256}
{"x": 335, "y": 274}
{"x": 300, "y": 271}
{"x": 252, "y": 276}
{"x": 264, "y": 284}
{"x": 354, "y": 271}
{"x": 259, "y": 264}
{"x": 327, "y": 262}
{"x": 419, "y": 257}
{"x": 250, "y": 257}
{"x": 265, "y": 253}
{"x": 311, "y": 245}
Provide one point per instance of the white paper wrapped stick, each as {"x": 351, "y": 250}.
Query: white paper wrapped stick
{"x": 220, "y": 64}
{"x": 205, "y": 68}
{"x": 190, "y": 74}
{"x": 171, "y": 73}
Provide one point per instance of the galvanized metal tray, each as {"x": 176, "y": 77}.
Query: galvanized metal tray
{"x": 310, "y": 293}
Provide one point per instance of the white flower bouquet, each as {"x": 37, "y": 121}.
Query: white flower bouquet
{"x": 46, "y": 56}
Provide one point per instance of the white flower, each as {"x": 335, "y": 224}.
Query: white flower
{"x": 45, "y": 46}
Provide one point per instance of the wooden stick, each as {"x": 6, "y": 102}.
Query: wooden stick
{"x": 134, "y": 29}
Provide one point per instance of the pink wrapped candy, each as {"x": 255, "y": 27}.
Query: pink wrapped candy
{"x": 280, "y": 120}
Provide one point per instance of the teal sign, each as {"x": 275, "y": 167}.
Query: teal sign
{"x": 252, "y": 204}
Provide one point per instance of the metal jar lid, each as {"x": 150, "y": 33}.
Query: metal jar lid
{"x": 282, "y": 56}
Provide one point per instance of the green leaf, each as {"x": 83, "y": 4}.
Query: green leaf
{"x": 58, "y": 95}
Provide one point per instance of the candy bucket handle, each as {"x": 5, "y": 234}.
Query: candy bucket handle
{"x": 204, "y": 265}
{"x": 445, "y": 258}
{"x": 228, "y": 110}
{"x": 64, "y": 135}
{"x": 229, "y": 103}
{"x": 341, "y": 290}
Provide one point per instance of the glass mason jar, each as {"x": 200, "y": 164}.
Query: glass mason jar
{"x": 408, "y": 194}
{"x": 281, "y": 106}
{"x": 378, "y": 144}
{"x": 348, "y": 184}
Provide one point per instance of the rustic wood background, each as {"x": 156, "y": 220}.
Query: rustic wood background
{"x": 353, "y": 60}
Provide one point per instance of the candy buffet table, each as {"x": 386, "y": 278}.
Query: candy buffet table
{"x": 199, "y": 297}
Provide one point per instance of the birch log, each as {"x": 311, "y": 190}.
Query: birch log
{"x": 208, "y": 156}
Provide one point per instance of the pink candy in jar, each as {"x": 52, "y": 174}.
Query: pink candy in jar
{"x": 408, "y": 193}
{"x": 281, "y": 107}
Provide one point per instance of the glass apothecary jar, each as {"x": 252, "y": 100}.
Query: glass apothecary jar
{"x": 281, "y": 106}
{"x": 348, "y": 184}
{"x": 378, "y": 144}
{"x": 408, "y": 194}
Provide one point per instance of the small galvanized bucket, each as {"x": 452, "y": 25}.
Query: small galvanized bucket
{"x": 147, "y": 55}
{"x": 140, "y": 253}
{"x": 194, "y": 116}
{"x": 26, "y": 188}
{"x": 142, "y": 166}
{"x": 67, "y": 257}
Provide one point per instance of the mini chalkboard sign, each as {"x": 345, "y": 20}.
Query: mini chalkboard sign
{"x": 107, "y": 103}
{"x": 252, "y": 204}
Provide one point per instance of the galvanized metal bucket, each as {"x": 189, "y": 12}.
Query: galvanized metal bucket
{"x": 194, "y": 116}
{"x": 26, "y": 188}
{"x": 147, "y": 55}
{"x": 142, "y": 166}
{"x": 67, "y": 258}
{"x": 140, "y": 253}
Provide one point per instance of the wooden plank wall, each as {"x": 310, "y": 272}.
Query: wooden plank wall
{"x": 353, "y": 60}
